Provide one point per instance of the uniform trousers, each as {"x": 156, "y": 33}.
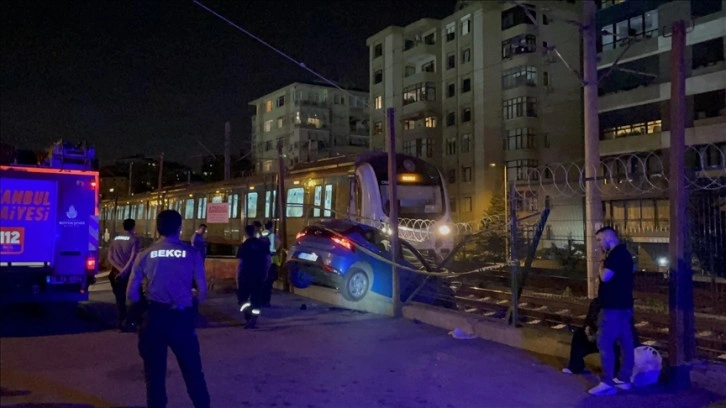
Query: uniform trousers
{"x": 118, "y": 286}
{"x": 250, "y": 289}
{"x": 164, "y": 327}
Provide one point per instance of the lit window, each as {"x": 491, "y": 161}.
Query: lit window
{"x": 268, "y": 126}
{"x": 268, "y": 106}
{"x": 378, "y": 102}
{"x": 430, "y": 121}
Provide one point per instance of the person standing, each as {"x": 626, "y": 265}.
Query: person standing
{"x": 254, "y": 263}
{"x": 198, "y": 241}
{"x": 121, "y": 254}
{"x": 162, "y": 279}
{"x": 269, "y": 234}
{"x": 615, "y": 293}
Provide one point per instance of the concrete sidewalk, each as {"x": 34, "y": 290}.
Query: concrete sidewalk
{"x": 321, "y": 356}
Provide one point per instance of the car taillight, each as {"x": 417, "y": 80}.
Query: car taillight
{"x": 343, "y": 242}
{"x": 91, "y": 264}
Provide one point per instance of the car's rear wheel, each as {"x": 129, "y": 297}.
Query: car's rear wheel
{"x": 355, "y": 285}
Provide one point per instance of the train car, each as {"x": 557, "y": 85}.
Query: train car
{"x": 339, "y": 187}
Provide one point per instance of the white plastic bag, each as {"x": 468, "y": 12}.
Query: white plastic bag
{"x": 648, "y": 363}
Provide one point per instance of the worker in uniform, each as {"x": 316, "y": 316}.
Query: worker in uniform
{"x": 254, "y": 263}
{"x": 121, "y": 254}
{"x": 162, "y": 279}
{"x": 269, "y": 234}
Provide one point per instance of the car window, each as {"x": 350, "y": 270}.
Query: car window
{"x": 409, "y": 254}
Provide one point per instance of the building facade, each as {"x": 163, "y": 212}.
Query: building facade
{"x": 311, "y": 121}
{"x": 634, "y": 106}
{"x": 478, "y": 91}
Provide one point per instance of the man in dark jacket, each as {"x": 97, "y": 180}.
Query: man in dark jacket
{"x": 254, "y": 263}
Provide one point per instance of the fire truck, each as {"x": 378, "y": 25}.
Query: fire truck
{"x": 49, "y": 227}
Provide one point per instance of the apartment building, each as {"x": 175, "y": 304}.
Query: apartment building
{"x": 312, "y": 121}
{"x": 479, "y": 90}
{"x": 635, "y": 103}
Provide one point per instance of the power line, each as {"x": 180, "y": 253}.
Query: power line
{"x": 270, "y": 46}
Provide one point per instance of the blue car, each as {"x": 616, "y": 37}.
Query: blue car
{"x": 355, "y": 259}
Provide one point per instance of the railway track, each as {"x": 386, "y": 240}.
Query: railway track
{"x": 649, "y": 291}
{"x": 541, "y": 309}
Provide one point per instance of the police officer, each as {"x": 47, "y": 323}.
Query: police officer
{"x": 162, "y": 277}
{"x": 121, "y": 254}
{"x": 254, "y": 263}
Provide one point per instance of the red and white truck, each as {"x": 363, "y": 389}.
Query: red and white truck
{"x": 49, "y": 228}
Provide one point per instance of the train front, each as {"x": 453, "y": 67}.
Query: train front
{"x": 423, "y": 212}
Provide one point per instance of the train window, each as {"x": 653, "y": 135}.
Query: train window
{"x": 251, "y": 207}
{"x": 189, "y": 209}
{"x": 328, "y": 200}
{"x": 233, "y": 205}
{"x": 317, "y": 200}
{"x": 140, "y": 212}
{"x": 295, "y": 201}
{"x": 217, "y": 199}
{"x": 270, "y": 198}
{"x": 202, "y": 210}
{"x": 178, "y": 206}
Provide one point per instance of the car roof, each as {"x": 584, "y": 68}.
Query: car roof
{"x": 344, "y": 225}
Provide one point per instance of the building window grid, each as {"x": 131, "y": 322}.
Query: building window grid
{"x": 451, "y": 119}
{"x": 466, "y": 55}
{"x": 466, "y": 115}
{"x": 378, "y": 102}
{"x": 466, "y": 143}
{"x": 521, "y": 44}
{"x": 424, "y": 91}
{"x": 466, "y": 174}
{"x": 451, "y": 146}
{"x": 641, "y": 26}
{"x": 635, "y": 129}
{"x": 465, "y": 85}
{"x": 465, "y": 25}
{"x": 450, "y": 32}
{"x": 519, "y": 107}
{"x": 520, "y": 138}
{"x": 451, "y": 61}
{"x": 522, "y": 170}
{"x": 518, "y": 76}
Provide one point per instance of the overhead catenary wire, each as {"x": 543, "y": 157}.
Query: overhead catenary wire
{"x": 270, "y": 46}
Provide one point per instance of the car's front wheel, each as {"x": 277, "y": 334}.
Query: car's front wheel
{"x": 355, "y": 285}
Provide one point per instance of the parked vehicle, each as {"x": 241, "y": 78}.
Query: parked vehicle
{"x": 355, "y": 259}
{"x": 49, "y": 228}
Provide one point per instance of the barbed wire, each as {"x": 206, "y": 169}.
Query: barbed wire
{"x": 626, "y": 174}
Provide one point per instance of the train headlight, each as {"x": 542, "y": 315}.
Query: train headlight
{"x": 444, "y": 230}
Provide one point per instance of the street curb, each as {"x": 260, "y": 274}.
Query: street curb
{"x": 539, "y": 340}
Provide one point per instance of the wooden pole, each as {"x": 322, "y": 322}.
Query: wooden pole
{"x": 681, "y": 341}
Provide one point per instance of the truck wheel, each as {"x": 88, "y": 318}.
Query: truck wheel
{"x": 355, "y": 285}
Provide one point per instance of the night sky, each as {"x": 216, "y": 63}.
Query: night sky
{"x": 153, "y": 76}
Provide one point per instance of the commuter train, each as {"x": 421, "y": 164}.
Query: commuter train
{"x": 341, "y": 187}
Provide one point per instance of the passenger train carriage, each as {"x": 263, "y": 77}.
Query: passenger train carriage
{"x": 339, "y": 187}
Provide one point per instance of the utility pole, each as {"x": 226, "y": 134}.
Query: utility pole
{"x": 281, "y": 195}
{"x": 227, "y": 130}
{"x": 593, "y": 203}
{"x": 681, "y": 341}
{"x": 131, "y": 178}
{"x": 161, "y": 172}
{"x": 393, "y": 211}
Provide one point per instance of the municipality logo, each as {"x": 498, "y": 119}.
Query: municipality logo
{"x": 71, "y": 213}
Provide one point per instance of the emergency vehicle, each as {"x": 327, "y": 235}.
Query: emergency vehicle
{"x": 49, "y": 227}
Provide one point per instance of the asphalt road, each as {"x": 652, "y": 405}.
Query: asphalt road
{"x": 316, "y": 356}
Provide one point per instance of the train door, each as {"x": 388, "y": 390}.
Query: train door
{"x": 355, "y": 204}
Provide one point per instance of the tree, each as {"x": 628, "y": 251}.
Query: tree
{"x": 490, "y": 245}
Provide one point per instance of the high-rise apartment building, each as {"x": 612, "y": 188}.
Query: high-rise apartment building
{"x": 312, "y": 122}
{"x": 480, "y": 90}
{"x": 634, "y": 106}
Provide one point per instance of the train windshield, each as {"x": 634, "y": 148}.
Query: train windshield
{"x": 420, "y": 191}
